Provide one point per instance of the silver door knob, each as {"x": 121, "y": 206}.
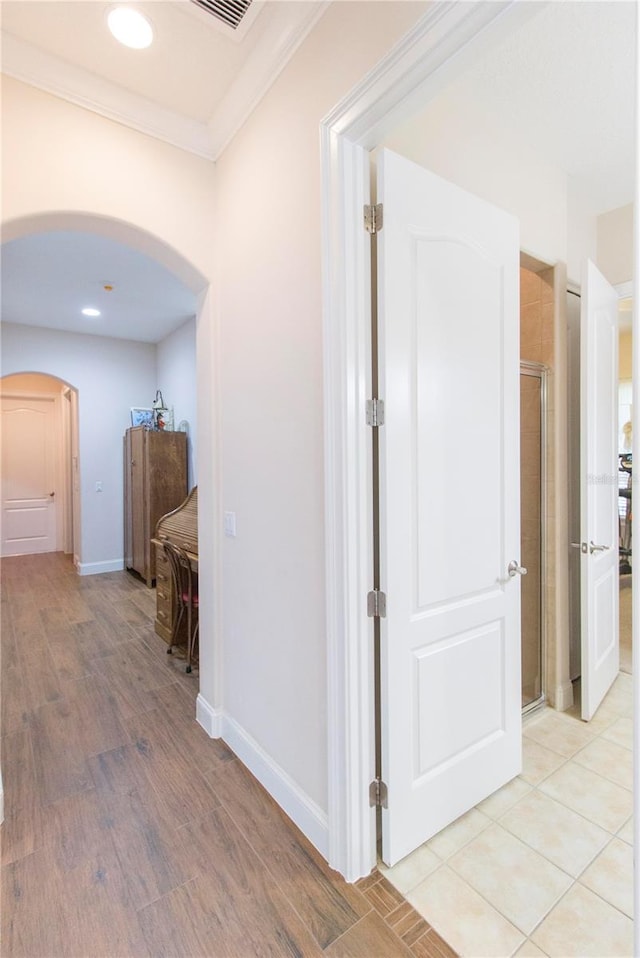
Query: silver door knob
{"x": 594, "y": 548}
{"x": 514, "y": 569}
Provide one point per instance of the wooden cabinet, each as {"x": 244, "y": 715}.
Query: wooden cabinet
{"x": 164, "y": 593}
{"x": 155, "y": 482}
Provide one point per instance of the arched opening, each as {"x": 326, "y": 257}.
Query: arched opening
{"x": 52, "y": 262}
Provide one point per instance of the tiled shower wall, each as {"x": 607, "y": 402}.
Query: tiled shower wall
{"x": 537, "y": 345}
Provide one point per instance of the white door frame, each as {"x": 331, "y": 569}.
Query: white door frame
{"x": 435, "y": 50}
{"x": 60, "y": 480}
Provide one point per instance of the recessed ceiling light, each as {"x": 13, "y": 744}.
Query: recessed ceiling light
{"x": 90, "y": 311}
{"x": 130, "y": 27}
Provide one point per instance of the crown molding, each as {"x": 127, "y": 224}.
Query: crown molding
{"x": 277, "y": 45}
{"x": 29, "y": 64}
{"x": 25, "y": 62}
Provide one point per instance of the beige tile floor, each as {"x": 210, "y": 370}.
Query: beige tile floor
{"x": 544, "y": 866}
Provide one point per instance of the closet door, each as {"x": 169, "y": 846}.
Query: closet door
{"x": 448, "y": 276}
{"x": 599, "y": 561}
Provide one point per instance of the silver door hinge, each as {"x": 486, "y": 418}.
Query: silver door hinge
{"x": 375, "y": 412}
{"x": 378, "y": 794}
{"x": 376, "y": 604}
{"x": 373, "y": 218}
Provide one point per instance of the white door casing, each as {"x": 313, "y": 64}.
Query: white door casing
{"x": 29, "y": 436}
{"x": 448, "y": 284}
{"x": 599, "y": 562}
{"x": 446, "y": 37}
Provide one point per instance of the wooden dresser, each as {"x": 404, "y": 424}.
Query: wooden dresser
{"x": 155, "y": 481}
{"x": 181, "y": 527}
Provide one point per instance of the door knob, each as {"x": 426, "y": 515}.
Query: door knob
{"x": 51, "y": 495}
{"x": 514, "y": 569}
{"x": 594, "y": 548}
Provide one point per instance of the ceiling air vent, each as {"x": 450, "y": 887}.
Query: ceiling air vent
{"x": 230, "y": 12}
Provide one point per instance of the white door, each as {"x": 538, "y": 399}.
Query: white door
{"x": 448, "y": 290}
{"x": 28, "y": 476}
{"x": 599, "y": 562}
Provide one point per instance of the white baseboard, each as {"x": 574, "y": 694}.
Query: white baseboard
{"x": 95, "y": 568}
{"x": 561, "y": 698}
{"x": 209, "y": 718}
{"x": 301, "y": 809}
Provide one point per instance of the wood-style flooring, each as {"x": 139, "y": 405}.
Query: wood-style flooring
{"x": 129, "y": 832}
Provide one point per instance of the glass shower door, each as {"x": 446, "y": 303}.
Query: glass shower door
{"x": 532, "y": 462}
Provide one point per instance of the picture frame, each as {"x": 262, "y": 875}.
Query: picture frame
{"x": 141, "y": 417}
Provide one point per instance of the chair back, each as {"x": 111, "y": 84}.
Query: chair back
{"x": 181, "y": 573}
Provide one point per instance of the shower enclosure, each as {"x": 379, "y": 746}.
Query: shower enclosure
{"x": 533, "y": 521}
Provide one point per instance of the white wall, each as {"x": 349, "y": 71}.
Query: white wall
{"x": 94, "y": 165}
{"x": 615, "y": 244}
{"x": 176, "y": 378}
{"x": 111, "y": 375}
{"x": 129, "y": 186}
{"x": 270, "y": 315}
{"x": 458, "y": 138}
{"x": 270, "y": 678}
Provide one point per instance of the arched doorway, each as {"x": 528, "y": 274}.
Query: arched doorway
{"x": 40, "y": 502}
{"x": 64, "y": 262}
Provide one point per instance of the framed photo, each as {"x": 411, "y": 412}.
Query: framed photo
{"x": 141, "y": 417}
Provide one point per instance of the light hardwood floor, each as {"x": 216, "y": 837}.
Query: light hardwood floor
{"x": 128, "y": 832}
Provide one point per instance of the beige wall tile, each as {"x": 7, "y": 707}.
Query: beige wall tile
{"x": 530, "y": 287}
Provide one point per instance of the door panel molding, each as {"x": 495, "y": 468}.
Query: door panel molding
{"x": 421, "y": 63}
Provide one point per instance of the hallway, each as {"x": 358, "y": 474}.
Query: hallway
{"x": 129, "y": 832}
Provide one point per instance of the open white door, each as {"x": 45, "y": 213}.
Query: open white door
{"x": 448, "y": 280}
{"x": 28, "y": 475}
{"x": 599, "y": 562}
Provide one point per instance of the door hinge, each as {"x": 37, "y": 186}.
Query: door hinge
{"x": 373, "y": 218}
{"x": 378, "y": 794}
{"x": 376, "y": 604}
{"x": 375, "y": 412}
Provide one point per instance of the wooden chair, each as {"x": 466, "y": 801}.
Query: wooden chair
{"x": 185, "y": 596}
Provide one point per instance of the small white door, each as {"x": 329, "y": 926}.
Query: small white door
{"x": 599, "y": 562}
{"x": 28, "y": 476}
{"x": 448, "y": 289}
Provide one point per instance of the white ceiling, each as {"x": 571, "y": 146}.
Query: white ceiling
{"x": 566, "y": 75}
{"x": 194, "y": 86}
{"x": 48, "y": 279}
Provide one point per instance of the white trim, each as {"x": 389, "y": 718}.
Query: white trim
{"x": 439, "y": 46}
{"x": 301, "y": 809}
{"x": 276, "y": 47}
{"x": 27, "y": 63}
{"x": 624, "y": 290}
{"x": 209, "y": 718}
{"x": 561, "y": 698}
{"x": 95, "y": 568}
{"x": 277, "y": 44}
